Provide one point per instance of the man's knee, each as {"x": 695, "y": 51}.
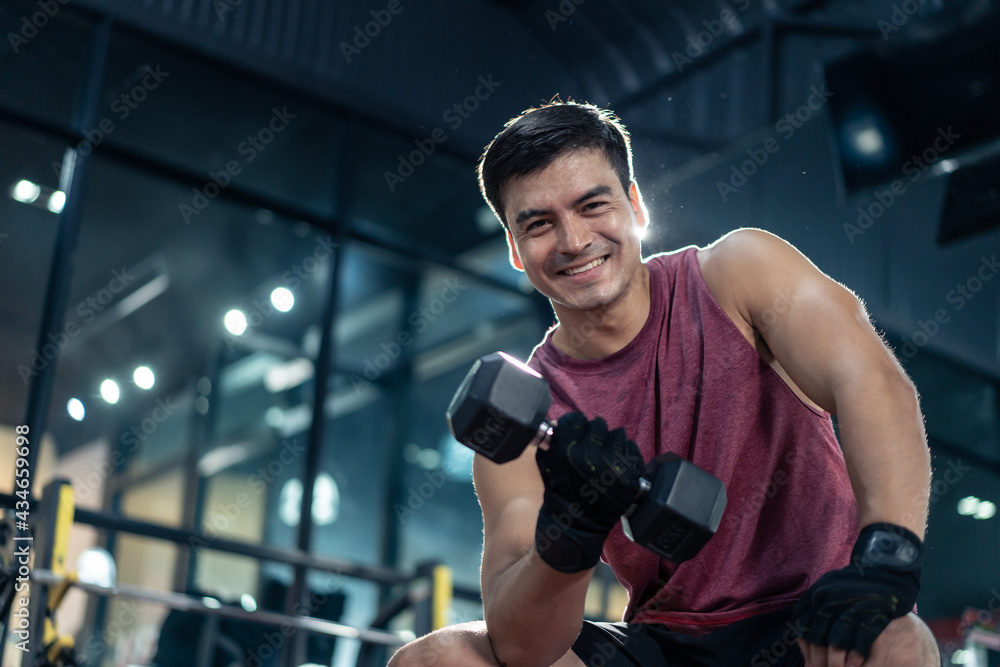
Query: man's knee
{"x": 931, "y": 652}
{"x": 458, "y": 645}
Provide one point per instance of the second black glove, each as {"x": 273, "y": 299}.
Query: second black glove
{"x": 850, "y": 607}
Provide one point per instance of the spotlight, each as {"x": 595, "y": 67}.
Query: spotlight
{"x": 109, "y": 391}
{"x": 967, "y": 506}
{"x": 283, "y": 299}
{"x": 986, "y": 510}
{"x": 74, "y": 407}
{"x": 57, "y": 200}
{"x": 25, "y": 192}
{"x": 143, "y": 377}
{"x": 236, "y": 322}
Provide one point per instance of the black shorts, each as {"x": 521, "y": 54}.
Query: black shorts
{"x": 765, "y": 640}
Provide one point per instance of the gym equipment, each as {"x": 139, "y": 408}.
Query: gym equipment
{"x": 499, "y": 410}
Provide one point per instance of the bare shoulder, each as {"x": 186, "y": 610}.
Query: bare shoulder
{"x": 743, "y": 249}
{"x": 747, "y": 269}
{"x": 734, "y": 267}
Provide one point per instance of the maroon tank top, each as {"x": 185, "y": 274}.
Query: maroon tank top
{"x": 691, "y": 383}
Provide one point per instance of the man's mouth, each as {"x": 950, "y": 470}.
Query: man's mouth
{"x": 597, "y": 262}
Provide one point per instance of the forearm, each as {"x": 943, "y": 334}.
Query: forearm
{"x": 534, "y": 613}
{"x": 882, "y": 434}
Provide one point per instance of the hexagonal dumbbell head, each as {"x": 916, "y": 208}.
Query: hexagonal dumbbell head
{"x": 681, "y": 509}
{"x": 499, "y": 407}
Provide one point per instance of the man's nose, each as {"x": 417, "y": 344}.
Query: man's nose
{"x": 574, "y": 235}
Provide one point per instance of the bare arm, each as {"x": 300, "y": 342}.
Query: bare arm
{"x": 819, "y": 333}
{"x": 533, "y": 612}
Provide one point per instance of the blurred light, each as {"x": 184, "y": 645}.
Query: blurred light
{"x": 25, "y": 191}
{"x": 201, "y": 405}
{"x": 326, "y": 500}
{"x": 967, "y": 506}
{"x": 987, "y": 510}
{"x": 281, "y": 377}
{"x": 236, "y": 322}
{"x": 976, "y": 508}
{"x": 204, "y": 386}
{"x": 457, "y": 459}
{"x": 75, "y": 409}
{"x": 283, "y": 299}
{"x": 958, "y": 657}
{"x": 325, "y": 505}
{"x": 109, "y": 391}
{"x": 867, "y": 140}
{"x": 642, "y": 232}
{"x": 486, "y": 221}
{"x": 429, "y": 459}
{"x": 56, "y": 201}
{"x": 274, "y": 416}
{"x": 944, "y": 167}
{"x": 144, "y": 377}
{"x": 97, "y": 566}
{"x": 289, "y": 501}
{"x": 211, "y": 603}
{"x": 221, "y": 458}
{"x": 248, "y": 603}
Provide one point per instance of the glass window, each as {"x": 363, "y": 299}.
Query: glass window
{"x": 27, "y": 235}
{"x": 171, "y": 376}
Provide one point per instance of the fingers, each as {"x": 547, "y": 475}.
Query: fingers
{"x": 827, "y": 656}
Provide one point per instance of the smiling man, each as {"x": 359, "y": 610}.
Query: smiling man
{"x": 733, "y": 356}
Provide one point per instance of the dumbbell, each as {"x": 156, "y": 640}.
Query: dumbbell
{"x": 499, "y": 410}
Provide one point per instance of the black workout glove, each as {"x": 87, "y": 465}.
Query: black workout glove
{"x": 591, "y": 477}
{"x": 849, "y": 608}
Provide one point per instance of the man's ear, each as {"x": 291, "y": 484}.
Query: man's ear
{"x": 638, "y": 207}
{"x": 515, "y": 260}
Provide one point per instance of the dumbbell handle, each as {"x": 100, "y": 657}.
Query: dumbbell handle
{"x": 543, "y": 436}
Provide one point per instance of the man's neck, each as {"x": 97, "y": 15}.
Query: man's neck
{"x": 592, "y": 334}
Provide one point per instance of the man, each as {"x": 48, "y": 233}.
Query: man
{"x": 733, "y": 356}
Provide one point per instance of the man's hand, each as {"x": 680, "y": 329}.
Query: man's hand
{"x": 847, "y": 609}
{"x": 906, "y": 642}
{"x": 591, "y": 477}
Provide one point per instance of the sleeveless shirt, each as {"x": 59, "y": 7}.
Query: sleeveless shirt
{"x": 692, "y": 384}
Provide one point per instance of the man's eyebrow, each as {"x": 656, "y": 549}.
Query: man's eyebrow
{"x": 596, "y": 191}
{"x": 529, "y": 213}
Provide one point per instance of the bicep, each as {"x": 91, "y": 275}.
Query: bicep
{"x": 510, "y": 496}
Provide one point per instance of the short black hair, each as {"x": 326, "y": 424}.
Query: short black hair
{"x": 530, "y": 142}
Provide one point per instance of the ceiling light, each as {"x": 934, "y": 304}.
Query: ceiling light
{"x": 57, "y": 200}
{"x": 986, "y": 510}
{"x": 236, "y": 322}
{"x": 283, "y": 299}
{"x": 25, "y": 191}
{"x": 109, "y": 391}
{"x": 74, "y": 407}
{"x": 144, "y": 377}
{"x": 967, "y": 506}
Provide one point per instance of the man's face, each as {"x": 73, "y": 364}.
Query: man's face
{"x": 574, "y": 231}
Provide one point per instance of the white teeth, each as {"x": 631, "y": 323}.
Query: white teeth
{"x": 596, "y": 262}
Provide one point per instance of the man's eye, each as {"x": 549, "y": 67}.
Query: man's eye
{"x": 535, "y": 224}
{"x": 594, "y": 204}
